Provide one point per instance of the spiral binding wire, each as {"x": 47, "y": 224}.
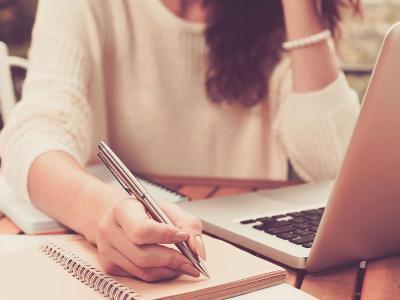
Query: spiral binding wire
{"x": 89, "y": 275}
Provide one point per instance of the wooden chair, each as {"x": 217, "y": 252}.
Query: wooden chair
{"x": 8, "y": 95}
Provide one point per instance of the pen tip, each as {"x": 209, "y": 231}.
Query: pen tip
{"x": 203, "y": 269}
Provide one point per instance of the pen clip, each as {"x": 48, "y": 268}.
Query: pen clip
{"x": 113, "y": 165}
{"x": 114, "y": 172}
{"x": 130, "y": 183}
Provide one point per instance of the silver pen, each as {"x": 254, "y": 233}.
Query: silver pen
{"x": 134, "y": 188}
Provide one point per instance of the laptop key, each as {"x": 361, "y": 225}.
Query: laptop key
{"x": 313, "y": 217}
{"x": 274, "y": 224}
{"x": 302, "y": 232}
{"x": 299, "y": 220}
{"x": 284, "y": 218}
{"x": 259, "y": 227}
{"x": 301, "y": 225}
{"x": 315, "y": 223}
{"x": 303, "y": 239}
{"x": 307, "y": 245}
{"x": 245, "y": 222}
{"x": 297, "y": 214}
{"x": 287, "y": 235}
{"x": 279, "y": 216}
{"x": 264, "y": 219}
{"x": 279, "y": 230}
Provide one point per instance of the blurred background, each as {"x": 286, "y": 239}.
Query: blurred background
{"x": 361, "y": 37}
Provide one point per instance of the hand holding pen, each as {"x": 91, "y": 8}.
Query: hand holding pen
{"x": 146, "y": 259}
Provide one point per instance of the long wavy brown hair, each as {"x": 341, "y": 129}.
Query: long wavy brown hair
{"x": 244, "y": 39}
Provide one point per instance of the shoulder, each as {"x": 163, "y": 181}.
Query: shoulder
{"x": 80, "y": 22}
{"x": 72, "y": 15}
{"x": 62, "y": 12}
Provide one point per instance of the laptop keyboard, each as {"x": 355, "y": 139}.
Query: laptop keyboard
{"x": 297, "y": 227}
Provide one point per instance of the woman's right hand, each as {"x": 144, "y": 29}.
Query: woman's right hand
{"x": 129, "y": 242}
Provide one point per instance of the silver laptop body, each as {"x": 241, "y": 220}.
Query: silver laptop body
{"x": 361, "y": 219}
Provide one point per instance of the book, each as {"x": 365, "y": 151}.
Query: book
{"x": 27, "y": 217}
{"x": 156, "y": 190}
{"x": 70, "y": 269}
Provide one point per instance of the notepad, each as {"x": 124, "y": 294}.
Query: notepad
{"x": 156, "y": 190}
{"x": 70, "y": 269}
{"x": 32, "y": 221}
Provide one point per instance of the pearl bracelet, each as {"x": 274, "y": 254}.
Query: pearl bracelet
{"x": 307, "y": 41}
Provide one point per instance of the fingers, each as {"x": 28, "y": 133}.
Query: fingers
{"x": 115, "y": 263}
{"x": 152, "y": 256}
{"x": 158, "y": 256}
{"x": 136, "y": 237}
{"x": 197, "y": 243}
{"x": 189, "y": 224}
{"x": 140, "y": 229}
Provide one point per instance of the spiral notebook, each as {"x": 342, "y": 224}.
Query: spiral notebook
{"x": 32, "y": 221}
{"x": 70, "y": 269}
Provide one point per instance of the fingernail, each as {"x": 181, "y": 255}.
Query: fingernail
{"x": 180, "y": 236}
{"x": 200, "y": 249}
{"x": 190, "y": 270}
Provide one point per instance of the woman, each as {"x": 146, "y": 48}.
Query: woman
{"x": 199, "y": 88}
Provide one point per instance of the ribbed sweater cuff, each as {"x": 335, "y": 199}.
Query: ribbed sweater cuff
{"x": 329, "y": 98}
{"x": 327, "y": 116}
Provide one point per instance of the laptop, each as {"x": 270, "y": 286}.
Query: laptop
{"x": 330, "y": 224}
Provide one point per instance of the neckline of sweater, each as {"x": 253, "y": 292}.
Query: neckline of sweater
{"x": 169, "y": 17}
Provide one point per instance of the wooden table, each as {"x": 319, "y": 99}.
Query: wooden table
{"x": 378, "y": 279}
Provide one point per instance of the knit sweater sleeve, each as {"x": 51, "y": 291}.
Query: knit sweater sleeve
{"x": 54, "y": 113}
{"x": 314, "y": 128}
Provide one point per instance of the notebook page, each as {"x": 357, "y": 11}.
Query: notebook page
{"x": 29, "y": 274}
{"x": 228, "y": 266}
{"x": 14, "y": 243}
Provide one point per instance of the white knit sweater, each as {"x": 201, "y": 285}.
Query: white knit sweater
{"x": 132, "y": 73}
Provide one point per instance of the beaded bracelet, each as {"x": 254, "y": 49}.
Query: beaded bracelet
{"x": 307, "y": 41}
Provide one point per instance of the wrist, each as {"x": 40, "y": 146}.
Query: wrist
{"x": 97, "y": 199}
{"x": 301, "y": 18}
